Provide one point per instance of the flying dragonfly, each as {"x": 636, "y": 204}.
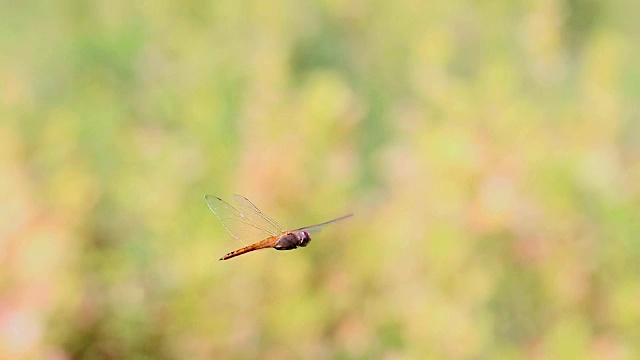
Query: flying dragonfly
{"x": 246, "y": 222}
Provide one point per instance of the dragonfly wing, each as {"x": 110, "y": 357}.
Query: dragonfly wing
{"x": 253, "y": 214}
{"x": 314, "y": 229}
{"x": 235, "y": 222}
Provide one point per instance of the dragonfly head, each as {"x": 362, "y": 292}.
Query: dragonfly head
{"x": 304, "y": 238}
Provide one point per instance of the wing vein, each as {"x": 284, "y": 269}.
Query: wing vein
{"x": 227, "y": 214}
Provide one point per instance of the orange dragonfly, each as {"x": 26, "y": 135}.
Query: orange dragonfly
{"x": 246, "y": 221}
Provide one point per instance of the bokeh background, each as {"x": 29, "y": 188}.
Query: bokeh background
{"x": 489, "y": 149}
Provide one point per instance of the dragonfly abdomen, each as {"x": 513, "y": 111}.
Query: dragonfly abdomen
{"x": 262, "y": 244}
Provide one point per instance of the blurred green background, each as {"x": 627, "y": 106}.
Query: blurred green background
{"x": 490, "y": 151}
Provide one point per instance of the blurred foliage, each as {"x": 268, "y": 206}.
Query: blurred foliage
{"x": 490, "y": 151}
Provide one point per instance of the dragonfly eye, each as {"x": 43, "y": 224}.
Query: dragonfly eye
{"x": 304, "y": 238}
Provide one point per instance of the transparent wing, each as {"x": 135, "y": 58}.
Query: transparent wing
{"x": 314, "y": 229}
{"x": 251, "y": 212}
{"x": 236, "y": 223}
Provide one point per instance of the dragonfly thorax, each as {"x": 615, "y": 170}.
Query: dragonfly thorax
{"x": 292, "y": 240}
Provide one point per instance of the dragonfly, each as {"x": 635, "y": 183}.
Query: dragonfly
{"x": 246, "y": 222}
